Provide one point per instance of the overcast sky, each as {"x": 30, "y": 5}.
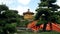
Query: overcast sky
{"x": 23, "y": 5}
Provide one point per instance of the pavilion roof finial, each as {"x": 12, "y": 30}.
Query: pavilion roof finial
{"x": 28, "y": 10}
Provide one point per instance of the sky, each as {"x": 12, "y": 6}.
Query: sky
{"x": 23, "y": 5}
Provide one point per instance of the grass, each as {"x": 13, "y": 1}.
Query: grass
{"x": 27, "y": 32}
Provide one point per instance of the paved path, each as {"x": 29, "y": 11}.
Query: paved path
{"x": 21, "y": 28}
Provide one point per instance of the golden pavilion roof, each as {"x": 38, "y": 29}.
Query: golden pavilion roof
{"x": 28, "y": 12}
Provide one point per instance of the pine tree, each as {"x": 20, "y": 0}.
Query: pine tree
{"x": 8, "y": 20}
{"x": 47, "y": 11}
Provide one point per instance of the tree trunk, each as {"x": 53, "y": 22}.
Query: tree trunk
{"x": 44, "y": 27}
{"x": 51, "y": 26}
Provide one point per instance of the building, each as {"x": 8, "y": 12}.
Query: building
{"x": 28, "y": 15}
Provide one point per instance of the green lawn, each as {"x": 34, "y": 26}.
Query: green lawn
{"x": 26, "y": 32}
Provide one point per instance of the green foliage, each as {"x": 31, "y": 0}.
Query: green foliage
{"x": 8, "y": 20}
{"x": 11, "y": 27}
{"x": 24, "y": 23}
{"x": 41, "y": 21}
{"x": 3, "y": 7}
{"x": 51, "y": 1}
{"x": 50, "y": 11}
{"x": 47, "y": 8}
